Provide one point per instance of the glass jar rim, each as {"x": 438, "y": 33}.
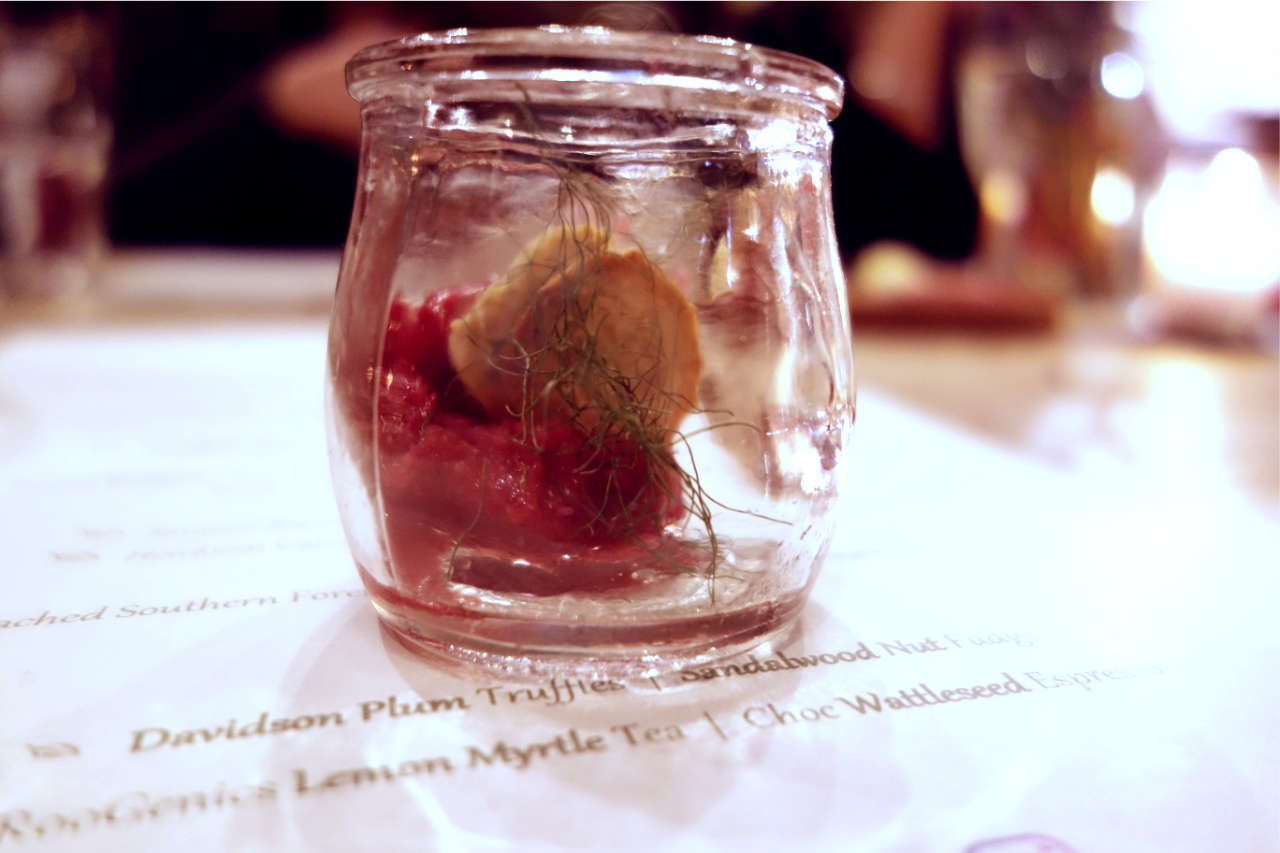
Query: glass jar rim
{"x": 595, "y": 54}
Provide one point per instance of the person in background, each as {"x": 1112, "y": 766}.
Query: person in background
{"x": 233, "y": 126}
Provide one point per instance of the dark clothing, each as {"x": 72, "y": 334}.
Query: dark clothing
{"x": 198, "y": 162}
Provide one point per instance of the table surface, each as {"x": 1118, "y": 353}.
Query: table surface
{"x": 184, "y": 647}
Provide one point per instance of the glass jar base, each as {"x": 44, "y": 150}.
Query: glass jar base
{"x": 515, "y": 648}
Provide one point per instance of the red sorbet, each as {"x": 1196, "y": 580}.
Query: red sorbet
{"x": 577, "y": 508}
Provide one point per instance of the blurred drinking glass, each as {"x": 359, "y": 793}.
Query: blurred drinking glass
{"x": 54, "y": 143}
{"x": 1062, "y": 145}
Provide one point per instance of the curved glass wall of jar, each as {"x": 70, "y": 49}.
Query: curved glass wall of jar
{"x": 590, "y": 370}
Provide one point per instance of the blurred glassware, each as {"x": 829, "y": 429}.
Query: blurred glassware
{"x": 1214, "y": 222}
{"x": 1211, "y": 69}
{"x": 55, "y": 137}
{"x": 1211, "y": 248}
{"x": 1211, "y": 228}
{"x": 1062, "y": 145}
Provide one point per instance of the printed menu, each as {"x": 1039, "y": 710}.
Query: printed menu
{"x": 999, "y": 655}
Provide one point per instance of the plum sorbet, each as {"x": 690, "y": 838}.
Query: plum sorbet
{"x": 465, "y": 489}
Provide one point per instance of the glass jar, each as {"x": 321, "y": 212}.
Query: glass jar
{"x": 589, "y": 370}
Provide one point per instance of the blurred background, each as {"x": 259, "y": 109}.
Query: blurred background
{"x": 231, "y": 124}
{"x": 1058, "y": 150}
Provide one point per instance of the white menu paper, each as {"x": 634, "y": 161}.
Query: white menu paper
{"x": 999, "y": 656}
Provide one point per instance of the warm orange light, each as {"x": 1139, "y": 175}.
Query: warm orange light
{"x": 1111, "y": 197}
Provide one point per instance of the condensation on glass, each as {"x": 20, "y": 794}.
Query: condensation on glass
{"x": 590, "y": 377}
